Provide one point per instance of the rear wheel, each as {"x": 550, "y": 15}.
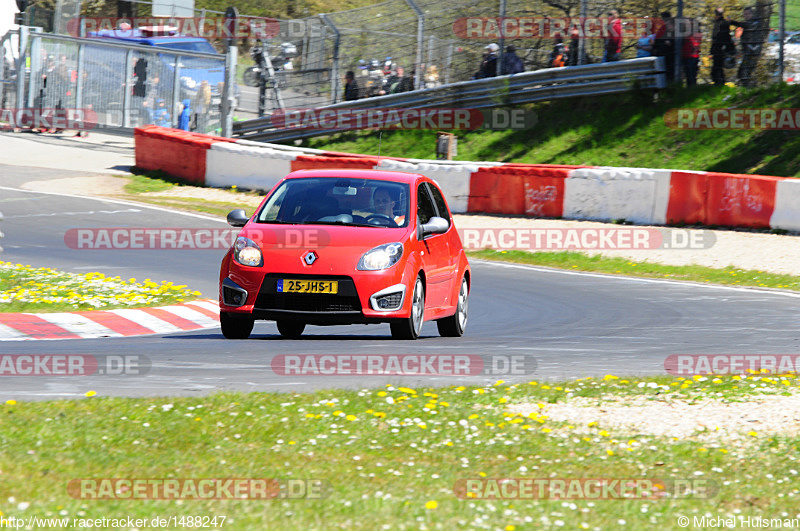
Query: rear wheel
{"x": 454, "y": 325}
{"x": 235, "y": 327}
{"x": 411, "y": 327}
{"x": 291, "y": 329}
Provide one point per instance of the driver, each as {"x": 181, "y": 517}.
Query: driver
{"x": 384, "y": 205}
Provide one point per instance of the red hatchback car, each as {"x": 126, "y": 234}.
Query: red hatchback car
{"x": 329, "y": 247}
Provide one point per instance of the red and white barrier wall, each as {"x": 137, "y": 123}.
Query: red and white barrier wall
{"x": 639, "y": 195}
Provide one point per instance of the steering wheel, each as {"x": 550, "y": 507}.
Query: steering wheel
{"x": 381, "y": 220}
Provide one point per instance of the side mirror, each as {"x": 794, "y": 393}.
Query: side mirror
{"x": 237, "y": 218}
{"x": 435, "y": 225}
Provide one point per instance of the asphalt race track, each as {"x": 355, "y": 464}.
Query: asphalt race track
{"x": 571, "y": 324}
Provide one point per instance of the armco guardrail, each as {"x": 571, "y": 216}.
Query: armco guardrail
{"x": 528, "y": 87}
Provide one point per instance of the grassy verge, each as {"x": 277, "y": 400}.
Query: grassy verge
{"x": 139, "y": 186}
{"x": 391, "y": 457}
{"x": 28, "y": 289}
{"x": 617, "y": 130}
{"x": 622, "y": 266}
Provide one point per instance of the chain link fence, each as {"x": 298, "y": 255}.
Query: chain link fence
{"x": 116, "y": 84}
{"x": 421, "y": 37}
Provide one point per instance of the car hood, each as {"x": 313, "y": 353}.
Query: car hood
{"x": 338, "y": 248}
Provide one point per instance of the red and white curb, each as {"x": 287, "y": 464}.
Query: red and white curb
{"x": 194, "y": 315}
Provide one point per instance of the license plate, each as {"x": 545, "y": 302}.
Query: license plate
{"x": 286, "y": 285}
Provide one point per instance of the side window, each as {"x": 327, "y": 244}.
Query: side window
{"x": 425, "y": 208}
{"x": 441, "y": 206}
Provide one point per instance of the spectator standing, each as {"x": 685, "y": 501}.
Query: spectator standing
{"x": 691, "y": 53}
{"x": 614, "y": 39}
{"x": 751, "y": 43}
{"x": 512, "y": 63}
{"x": 574, "y": 47}
{"x": 399, "y": 82}
{"x": 351, "y": 88}
{"x": 644, "y": 45}
{"x": 558, "y": 57}
{"x": 489, "y": 64}
{"x": 664, "y": 44}
{"x": 185, "y": 116}
{"x": 721, "y": 46}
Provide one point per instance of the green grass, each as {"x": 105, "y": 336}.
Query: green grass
{"x": 386, "y": 462}
{"x": 622, "y": 266}
{"x": 29, "y": 289}
{"x": 617, "y": 130}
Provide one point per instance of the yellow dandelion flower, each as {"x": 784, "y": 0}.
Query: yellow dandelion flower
{"x": 91, "y": 393}
{"x": 431, "y": 505}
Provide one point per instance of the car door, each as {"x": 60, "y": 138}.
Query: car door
{"x": 435, "y": 252}
{"x": 453, "y": 241}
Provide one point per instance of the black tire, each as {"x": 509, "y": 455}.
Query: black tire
{"x": 291, "y": 329}
{"x": 411, "y": 327}
{"x": 235, "y": 327}
{"x": 454, "y": 325}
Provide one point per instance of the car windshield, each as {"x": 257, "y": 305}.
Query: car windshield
{"x": 338, "y": 201}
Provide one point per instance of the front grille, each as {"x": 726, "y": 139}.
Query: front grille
{"x": 307, "y": 302}
{"x": 346, "y": 300}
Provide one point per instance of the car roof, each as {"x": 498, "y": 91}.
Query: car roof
{"x": 397, "y": 176}
{"x": 136, "y": 35}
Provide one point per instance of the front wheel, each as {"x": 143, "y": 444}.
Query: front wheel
{"x": 291, "y": 329}
{"x": 411, "y": 327}
{"x": 251, "y": 76}
{"x": 454, "y": 325}
{"x": 235, "y": 327}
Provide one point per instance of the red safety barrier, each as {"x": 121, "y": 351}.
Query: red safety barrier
{"x": 174, "y": 151}
{"x": 687, "y": 193}
{"x": 524, "y": 189}
{"x": 740, "y": 200}
{"x": 311, "y": 162}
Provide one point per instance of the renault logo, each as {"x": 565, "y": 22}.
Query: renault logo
{"x": 310, "y": 257}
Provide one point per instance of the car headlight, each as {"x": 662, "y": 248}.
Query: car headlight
{"x": 381, "y": 257}
{"x": 246, "y": 252}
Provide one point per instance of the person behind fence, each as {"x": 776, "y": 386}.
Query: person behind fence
{"x": 351, "y": 88}
{"x": 664, "y": 45}
{"x": 614, "y": 40}
{"x": 185, "y": 116}
{"x": 201, "y": 106}
{"x": 399, "y": 82}
{"x": 161, "y": 114}
{"x": 644, "y": 45}
{"x": 721, "y": 46}
{"x": 558, "y": 56}
{"x": 690, "y": 53}
{"x": 511, "y": 63}
{"x": 751, "y": 43}
{"x": 488, "y": 66}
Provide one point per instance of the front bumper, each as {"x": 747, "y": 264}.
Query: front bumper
{"x": 357, "y": 300}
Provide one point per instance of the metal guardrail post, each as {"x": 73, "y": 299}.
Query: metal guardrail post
{"x": 228, "y": 94}
{"x": 176, "y": 91}
{"x": 502, "y": 41}
{"x": 582, "y": 41}
{"x": 23, "y": 45}
{"x": 35, "y": 45}
{"x": 127, "y": 87}
{"x": 79, "y": 81}
{"x": 419, "y": 76}
{"x": 335, "y": 66}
